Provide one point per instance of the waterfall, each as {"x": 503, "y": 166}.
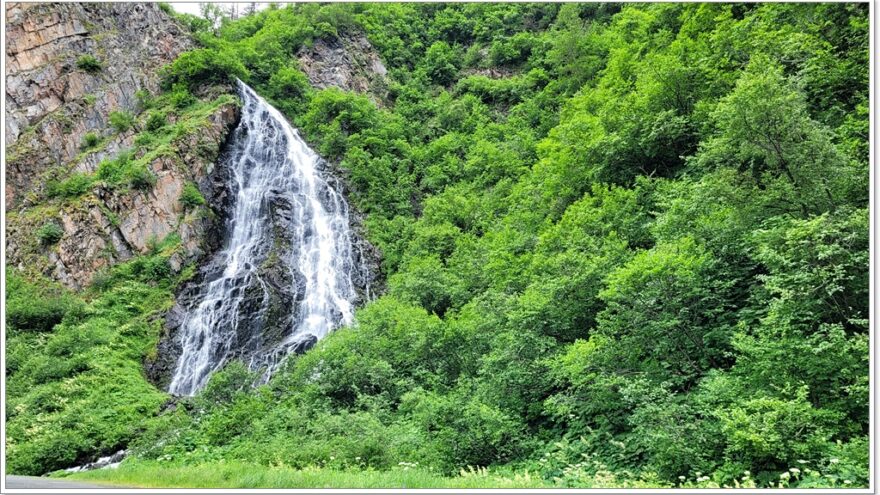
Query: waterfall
{"x": 284, "y": 277}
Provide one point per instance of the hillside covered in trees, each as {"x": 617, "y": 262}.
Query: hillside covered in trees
{"x": 621, "y": 245}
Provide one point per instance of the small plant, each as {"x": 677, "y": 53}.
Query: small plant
{"x": 190, "y": 197}
{"x": 155, "y": 121}
{"x": 144, "y": 139}
{"x": 89, "y": 64}
{"x": 123, "y": 170}
{"x": 181, "y": 97}
{"x": 89, "y": 141}
{"x": 50, "y": 233}
{"x": 121, "y": 121}
{"x": 74, "y": 186}
{"x": 90, "y": 99}
{"x": 139, "y": 177}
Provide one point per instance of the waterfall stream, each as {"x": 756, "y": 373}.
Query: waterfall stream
{"x": 284, "y": 277}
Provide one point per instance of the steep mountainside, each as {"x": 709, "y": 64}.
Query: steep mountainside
{"x": 51, "y": 103}
{"x": 623, "y": 245}
{"x": 78, "y": 76}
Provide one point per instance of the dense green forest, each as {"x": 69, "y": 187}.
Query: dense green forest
{"x": 624, "y": 245}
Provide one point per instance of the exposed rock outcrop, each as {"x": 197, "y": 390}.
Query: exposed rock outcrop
{"x": 108, "y": 225}
{"x": 51, "y": 103}
{"x": 348, "y": 62}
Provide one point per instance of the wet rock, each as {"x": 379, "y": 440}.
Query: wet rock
{"x": 109, "y": 462}
{"x": 304, "y": 344}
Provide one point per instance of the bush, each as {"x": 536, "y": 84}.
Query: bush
{"x": 49, "y": 233}
{"x": 511, "y": 51}
{"x": 155, "y": 121}
{"x": 34, "y": 308}
{"x": 124, "y": 171}
{"x": 89, "y": 141}
{"x": 201, "y": 67}
{"x": 140, "y": 177}
{"x": 441, "y": 63}
{"x": 121, "y": 121}
{"x": 190, "y": 197}
{"x": 89, "y": 64}
{"x": 73, "y": 187}
{"x": 180, "y": 96}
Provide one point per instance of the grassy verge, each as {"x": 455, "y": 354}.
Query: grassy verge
{"x": 151, "y": 474}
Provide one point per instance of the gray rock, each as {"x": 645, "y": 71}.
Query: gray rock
{"x": 46, "y": 113}
{"x": 348, "y": 62}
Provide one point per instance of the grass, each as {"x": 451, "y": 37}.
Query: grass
{"x": 153, "y": 474}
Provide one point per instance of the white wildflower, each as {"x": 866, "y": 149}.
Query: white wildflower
{"x": 834, "y": 460}
{"x": 847, "y": 482}
{"x": 794, "y": 470}
{"x": 784, "y": 476}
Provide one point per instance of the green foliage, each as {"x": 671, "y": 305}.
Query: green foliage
{"x": 249, "y": 475}
{"x": 624, "y": 245}
{"x": 190, "y": 197}
{"x": 180, "y": 96}
{"x": 89, "y": 141}
{"x": 441, "y": 63}
{"x": 73, "y": 186}
{"x": 83, "y": 382}
{"x": 199, "y": 67}
{"x": 35, "y": 307}
{"x": 124, "y": 170}
{"x": 155, "y": 121}
{"x": 145, "y": 99}
{"x": 121, "y": 121}
{"x": 49, "y": 233}
{"x": 89, "y": 64}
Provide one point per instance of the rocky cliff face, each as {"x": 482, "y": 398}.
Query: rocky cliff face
{"x": 51, "y": 102}
{"x": 348, "y": 62}
{"x": 54, "y": 99}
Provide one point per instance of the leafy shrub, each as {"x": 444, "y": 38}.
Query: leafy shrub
{"x": 89, "y": 64}
{"x": 190, "y": 197}
{"x": 180, "y": 96}
{"x": 49, "y": 233}
{"x": 121, "y": 121}
{"x": 291, "y": 88}
{"x": 73, "y": 187}
{"x": 35, "y": 307}
{"x": 441, "y": 63}
{"x": 140, "y": 177}
{"x": 123, "y": 170}
{"x": 89, "y": 141}
{"x": 156, "y": 121}
{"x": 203, "y": 66}
{"x": 234, "y": 379}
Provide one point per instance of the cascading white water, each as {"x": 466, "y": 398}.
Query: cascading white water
{"x": 271, "y": 168}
